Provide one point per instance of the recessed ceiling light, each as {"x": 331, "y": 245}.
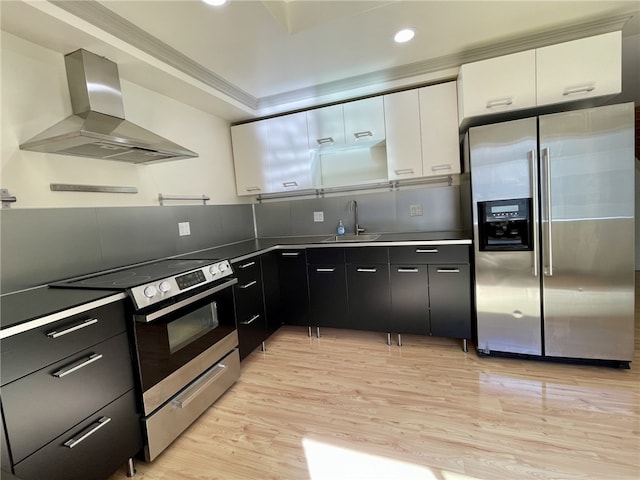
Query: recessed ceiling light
{"x": 215, "y": 3}
{"x": 404, "y": 35}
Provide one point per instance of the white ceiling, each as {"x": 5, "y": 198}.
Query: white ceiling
{"x": 253, "y": 58}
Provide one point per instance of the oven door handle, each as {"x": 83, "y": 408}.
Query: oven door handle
{"x": 194, "y": 390}
{"x": 150, "y": 317}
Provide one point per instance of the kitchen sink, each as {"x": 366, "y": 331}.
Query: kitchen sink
{"x": 351, "y": 238}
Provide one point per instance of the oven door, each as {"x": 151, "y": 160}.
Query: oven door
{"x": 178, "y": 342}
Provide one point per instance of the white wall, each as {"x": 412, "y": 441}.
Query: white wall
{"x": 35, "y": 96}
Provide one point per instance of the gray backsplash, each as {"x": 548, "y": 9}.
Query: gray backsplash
{"x": 443, "y": 209}
{"x": 39, "y": 246}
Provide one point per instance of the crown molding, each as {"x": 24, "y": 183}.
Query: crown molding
{"x": 105, "y": 19}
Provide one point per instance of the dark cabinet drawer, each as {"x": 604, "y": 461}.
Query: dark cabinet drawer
{"x": 30, "y": 351}
{"x": 247, "y": 270}
{"x": 367, "y": 255}
{"x": 41, "y": 405}
{"x": 423, "y": 254}
{"x": 115, "y": 435}
{"x": 324, "y": 256}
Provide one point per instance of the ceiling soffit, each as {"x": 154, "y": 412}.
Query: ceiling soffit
{"x": 105, "y": 19}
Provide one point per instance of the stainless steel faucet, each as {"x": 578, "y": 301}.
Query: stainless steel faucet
{"x": 353, "y": 205}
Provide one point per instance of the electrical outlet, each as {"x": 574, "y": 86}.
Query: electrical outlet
{"x": 184, "y": 228}
{"x": 415, "y": 210}
{"x": 318, "y": 216}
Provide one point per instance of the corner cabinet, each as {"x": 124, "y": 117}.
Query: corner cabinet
{"x": 272, "y": 155}
{"x": 567, "y": 72}
{"x": 422, "y": 132}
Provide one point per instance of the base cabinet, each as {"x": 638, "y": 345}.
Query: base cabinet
{"x": 410, "y": 299}
{"x": 294, "y": 289}
{"x": 368, "y": 289}
{"x": 250, "y": 312}
{"x": 328, "y": 302}
{"x": 450, "y": 300}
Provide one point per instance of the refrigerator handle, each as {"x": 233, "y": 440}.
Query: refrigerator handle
{"x": 533, "y": 165}
{"x": 546, "y": 156}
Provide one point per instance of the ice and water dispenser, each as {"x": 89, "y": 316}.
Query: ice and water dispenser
{"x": 505, "y": 225}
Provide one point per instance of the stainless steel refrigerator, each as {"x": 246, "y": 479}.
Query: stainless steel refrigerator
{"x": 553, "y": 220}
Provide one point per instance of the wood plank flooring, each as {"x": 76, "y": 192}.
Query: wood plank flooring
{"x": 347, "y": 406}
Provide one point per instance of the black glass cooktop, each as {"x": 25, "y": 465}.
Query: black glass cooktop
{"x": 134, "y": 276}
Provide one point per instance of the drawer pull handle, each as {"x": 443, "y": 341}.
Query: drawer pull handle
{"x": 90, "y": 430}
{"x": 502, "y": 102}
{"x": 251, "y": 320}
{"x": 360, "y": 135}
{"x": 448, "y": 270}
{"x": 63, "y": 372}
{"x": 444, "y": 166}
{"x": 250, "y": 284}
{"x": 290, "y": 254}
{"x": 404, "y": 171}
{"x": 73, "y": 328}
{"x": 426, "y": 250}
{"x": 367, "y": 270}
{"x": 289, "y": 184}
{"x": 194, "y": 390}
{"x": 581, "y": 89}
{"x": 322, "y": 141}
{"x": 253, "y": 189}
{"x": 247, "y": 265}
{"x": 325, "y": 270}
{"x": 407, "y": 270}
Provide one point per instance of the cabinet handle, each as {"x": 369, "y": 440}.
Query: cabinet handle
{"x": 73, "y": 328}
{"x": 444, "y": 166}
{"x": 289, "y": 184}
{"x": 407, "y": 270}
{"x": 63, "y": 372}
{"x": 360, "y": 135}
{"x": 502, "y": 102}
{"x": 426, "y": 250}
{"x": 247, "y": 265}
{"x": 251, "y": 320}
{"x": 367, "y": 270}
{"x": 322, "y": 141}
{"x": 253, "y": 189}
{"x": 448, "y": 270}
{"x": 290, "y": 254}
{"x": 250, "y": 284}
{"x": 327, "y": 270}
{"x": 86, "y": 433}
{"x": 581, "y": 89}
{"x": 404, "y": 171}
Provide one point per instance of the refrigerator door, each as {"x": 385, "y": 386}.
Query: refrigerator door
{"x": 587, "y": 231}
{"x": 503, "y": 166}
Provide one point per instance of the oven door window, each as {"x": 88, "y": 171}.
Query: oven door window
{"x": 184, "y": 330}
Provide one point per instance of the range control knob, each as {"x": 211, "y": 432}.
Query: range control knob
{"x": 213, "y": 270}
{"x": 164, "y": 286}
{"x": 223, "y": 266}
{"x": 150, "y": 291}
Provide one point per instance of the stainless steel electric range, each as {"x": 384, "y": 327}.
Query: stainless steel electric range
{"x": 185, "y": 339}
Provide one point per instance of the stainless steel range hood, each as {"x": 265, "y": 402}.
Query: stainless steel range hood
{"x": 97, "y": 128}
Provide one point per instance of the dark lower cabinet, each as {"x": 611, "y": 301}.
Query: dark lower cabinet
{"x": 294, "y": 288}
{"x": 271, "y": 291}
{"x": 250, "y": 312}
{"x": 450, "y": 300}
{"x": 369, "y": 297}
{"x": 410, "y": 299}
{"x": 328, "y": 296}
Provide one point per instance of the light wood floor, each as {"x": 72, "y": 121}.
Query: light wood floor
{"x": 347, "y": 406}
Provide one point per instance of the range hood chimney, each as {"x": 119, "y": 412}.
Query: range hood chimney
{"x": 97, "y": 128}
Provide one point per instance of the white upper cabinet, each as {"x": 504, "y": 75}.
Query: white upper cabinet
{"x": 439, "y": 129}
{"x": 566, "y": 72}
{"x": 272, "y": 155}
{"x": 402, "y": 125}
{"x": 497, "y": 85}
{"x": 250, "y": 143}
{"x": 289, "y": 157}
{"x": 589, "y": 67}
{"x": 364, "y": 120}
{"x": 325, "y": 127}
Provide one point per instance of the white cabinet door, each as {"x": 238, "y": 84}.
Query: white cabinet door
{"x": 402, "y": 126}
{"x": 250, "y": 157}
{"x": 326, "y": 127}
{"x": 439, "y": 126}
{"x": 364, "y": 120}
{"x": 290, "y": 159}
{"x": 497, "y": 85}
{"x": 588, "y": 67}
